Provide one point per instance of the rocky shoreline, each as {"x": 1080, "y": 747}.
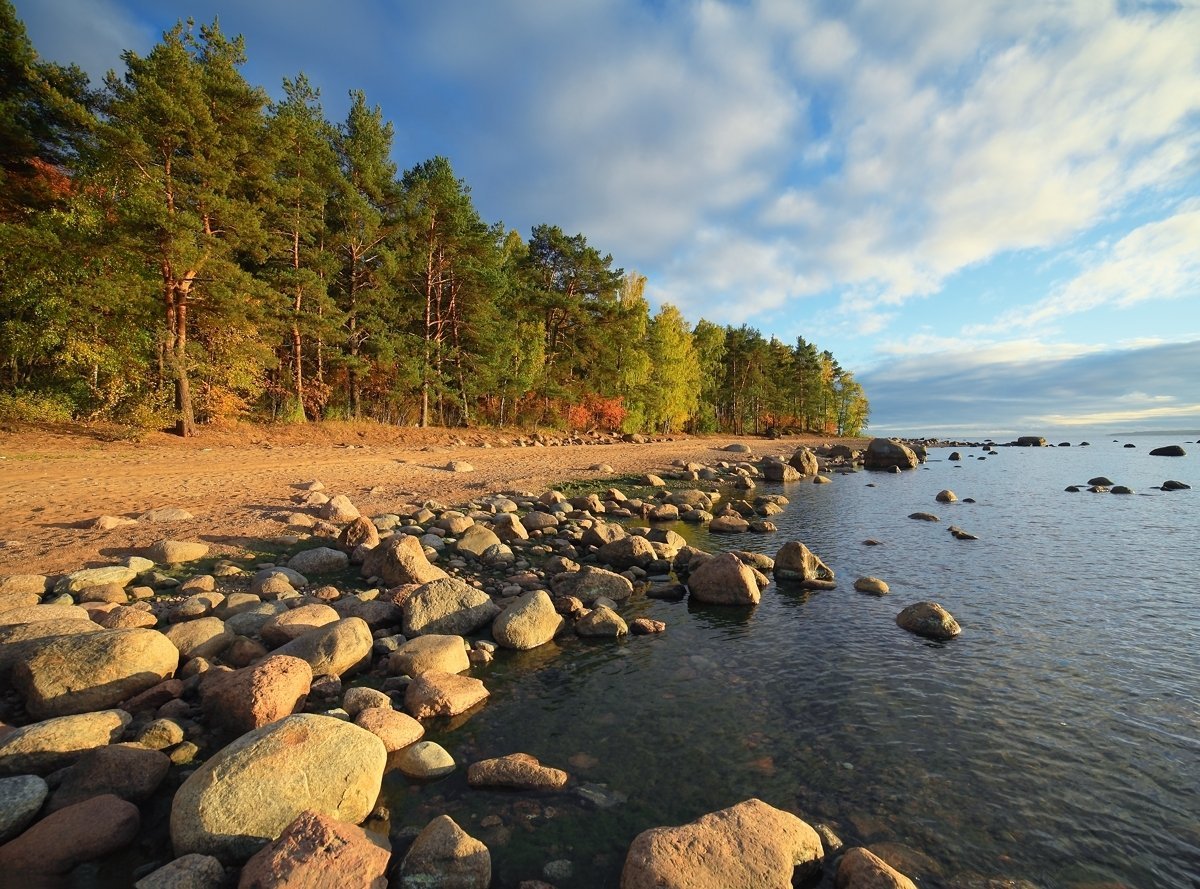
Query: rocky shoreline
{"x": 260, "y": 705}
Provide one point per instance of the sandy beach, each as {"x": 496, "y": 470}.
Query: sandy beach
{"x": 54, "y": 483}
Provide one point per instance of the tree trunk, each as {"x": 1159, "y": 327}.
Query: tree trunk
{"x": 185, "y": 424}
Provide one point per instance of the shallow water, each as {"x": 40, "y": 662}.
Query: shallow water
{"x": 1056, "y": 740}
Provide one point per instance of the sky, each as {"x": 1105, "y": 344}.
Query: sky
{"x": 989, "y": 211}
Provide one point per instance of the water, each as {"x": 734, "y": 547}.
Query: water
{"x": 1057, "y": 740}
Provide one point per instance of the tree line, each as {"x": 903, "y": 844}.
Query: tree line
{"x": 176, "y": 247}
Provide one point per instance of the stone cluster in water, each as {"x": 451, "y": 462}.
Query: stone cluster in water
{"x": 226, "y": 692}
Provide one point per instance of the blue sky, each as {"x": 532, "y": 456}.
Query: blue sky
{"x": 990, "y": 211}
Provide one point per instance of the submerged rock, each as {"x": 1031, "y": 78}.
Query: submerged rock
{"x": 795, "y": 562}
{"x": 872, "y": 585}
{"x": 443, "y": 854}
{"x": 928, "y": 619}
{"x": 861, "y": 869}
{"x": 517, "y": 771}
{"x": 724, "y": 580}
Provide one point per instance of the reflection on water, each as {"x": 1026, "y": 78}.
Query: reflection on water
{"x": 1057, "y": 740}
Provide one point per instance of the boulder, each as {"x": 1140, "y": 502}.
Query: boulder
{"x": 436, "y": 693}
{"x": 166, "y": 514}
{"x": 872, "y": 585}
{"x": 748, "y": 845}
{"x": 22, "y": 585}
{"x": 395, "y": 729}
{"x": 65, "y": 839}
{"x": 30, "y": 614}
{"x": 249, "y": 791}
{"x": 589, "y": 583}
{"x": 888, "y": 453}
{"x": 128, "y": 771}
{"x": 1169, "y": 451}
{"x": 627, "y": 552}
{"x": 338, "y": 509}
{"x": 174, "y": 552}
{"x": 447, "y": 654}
{"x": 93, "y": 671}
{"x": 781, "y": 472}
{"x": 21, "y": 798}
{"x": 360, "y": 532}
{"x": 644, "y": 626}
{"x": 377, "y": 613}
{"x": 796, "y": 563}
{"x": 206, "y": 637}
{"x": 448, "y": 606}
{"x": 1031, "y": 441}
{"x": 861, "y": 869}
{"x": 729, "y": 524}
{"x": 509, "y": 528}
{"x": 601, "y": 621}
{"x": 539, "y": 521}
{"x": 946, "y": 496}
{"x": 928, "y": 619}
{"x": 19, "y": 642}
{"x": 399, "y": 561}
{"x": 122, "y": 618}
{"x": 424, "y": 760}
{"x": 334, "y": 649}
{"x": 1173, "y": 485}
{"x": 320, "y": 560}
{"x": 805, "y": 462}
{"x": 90, "y": 577}
{"x": 188, "y": 872}
{"x": 475, "y": 541}
{"x": 517, "y": 771}
{"x": 269, "y": 579}
{"x": 724, "y": 580}
{"x": 44, "y": 747}
{"x": 443, "y": 854}
{"x": 282, "y": 628}
{"x": 529, "y": 622}
{"x": 240, "y": 701}
{"x": 362, "y": 697}
{"x": 314, "y": 850}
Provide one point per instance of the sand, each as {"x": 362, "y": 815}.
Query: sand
{"x": 55, "y": 482}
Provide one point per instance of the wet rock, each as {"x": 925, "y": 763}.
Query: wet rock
{"x": 424, "y": 760}
{"x": 396, "y": 730}
{"x": 243, "y": 700}
{"x": 517, "y": 771}
{"x": 189, "y": 872}
{"x": 314, "y": 849}
{"x": 59, "y": 842}
{"x": 127, "y": 771}
{"x": 750, "y": 844}
{"x": 859, "y": 869}
{"x": 250, "y": 790}
{"x": 601, "y": 621}
{"x": 435, "y": 693}
{"x": 930, "y": 620}
{"x": 94, "y": 671}
{"x": 1172, "y": 485}
{"x": 1122, "y": 489}
{"x": 529, "y": 622}
{"x": 1169, "y": 451}
{"x": 443, "y": 854}
{"x": 644, "y": 626}
{"x": 946, "y": 496}
{"x": 589, "y": 583}
{"x": 448, "y": 607}
{"x": 872, "y": 585}
{"x": 924, "y": 517}
{"x": 796, "y": 563}
{"x": 959, "y": 534}
{"x": 21, "y": 798}
{"x": 1101, "y": 480}
{"x": 335, "y": 649}
{"x": 724, "y": 580}
{"x": 400, "y": 560}
{"x": 447, "y": 654}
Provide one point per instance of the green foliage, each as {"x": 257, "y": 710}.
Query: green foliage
{"x": 175, "y": 248}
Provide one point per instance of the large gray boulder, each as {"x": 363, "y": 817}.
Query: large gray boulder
{"x": 748, "y": 845}
{"x": 448, "y": 607}
{"x": 21, "y": 797}
{"x": 774, "y": 471}
{"x": 334, "y": 649}
{"x": 320, "y": 560}
{"x": 248, "y": 792}
{"x": 589, "y": 583}
{"x": 400, "y": 560}
{"x": 52, "y": 744}
{"x": 886, "y": 453}
{"x": 94, "y": 671}
{"x": 527, "y": 623}
{"x": 724, "y": 580}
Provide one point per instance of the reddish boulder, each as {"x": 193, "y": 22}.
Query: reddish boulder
{"x": 240, "y": 701}
{"x": 315, "y": 849}
{"x": 60, "y": 841}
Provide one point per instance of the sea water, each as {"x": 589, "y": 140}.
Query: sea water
{"x": 1057, "y": 740}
